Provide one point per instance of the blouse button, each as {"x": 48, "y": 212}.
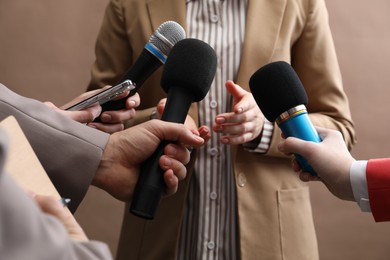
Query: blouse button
{"x": 214, "y": 18}
{"x": 241, "y": 179}
{"x": 213, "y": 104}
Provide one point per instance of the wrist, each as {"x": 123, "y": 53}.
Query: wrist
{"x": 262, "y": 142}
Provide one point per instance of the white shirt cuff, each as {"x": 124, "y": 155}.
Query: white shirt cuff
{"x": 265, "y": 139}
{"x": 357, "y": 175}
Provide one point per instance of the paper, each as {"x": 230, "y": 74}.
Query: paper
{"x": 23, "y": 164}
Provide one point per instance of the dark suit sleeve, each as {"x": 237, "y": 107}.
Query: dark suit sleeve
{"x": 69, "y": 151}
{"x": 378, "y": 183}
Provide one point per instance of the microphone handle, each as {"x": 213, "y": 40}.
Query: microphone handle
{"x": 301, "y": 127}
{"x": 141, "y": 70}
{"x": 150, "y": 185}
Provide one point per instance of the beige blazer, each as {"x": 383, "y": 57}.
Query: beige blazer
{"x": 274, "y": 211}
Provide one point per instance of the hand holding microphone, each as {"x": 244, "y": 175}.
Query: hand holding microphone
{"x": 331, "y": 160}
{"x": 151, "y": 58}
{"x": 281, "y": 97}
{"x": 187, "y": 77}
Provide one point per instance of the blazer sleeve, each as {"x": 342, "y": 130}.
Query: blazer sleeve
{"x": 28, "y": 233}
{"x": 111, "y": 63}
{"x": 378, "y": 184}
{"x": 69, "y": 151}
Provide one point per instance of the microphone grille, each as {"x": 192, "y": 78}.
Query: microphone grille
{"x": 191, "y": 67}
{"x": 166, "y": 36}
{"x": 277, "y": 88}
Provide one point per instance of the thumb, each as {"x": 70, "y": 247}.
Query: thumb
{"x": 294, "y": 145}
{"x": 234, "y": 89}
{"x": 174, "y": 132}
{"x": 161, "y": 106}
{"x": 238, "y": 94}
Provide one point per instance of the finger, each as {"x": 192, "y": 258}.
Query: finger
{"x": 51, "y": 206}
{"x": 293, "y": 145}
{"x": 234, "y": 129}
{"x": 84, "y": 116}
{"x": 178, "y": 168}
{"x": 50, "y": 104}
{"x": 133, "y": 101}
{"x": 205, "y": 133}
{"x": 295, "y": 165}
{"x": 108, "y": 128}
{"x": 177, "y": 152}
{"x": 229, "y": 118}
{"x": 306, "y": 177}
{"x": 175, "y": 132}
{"x": 237, "y": 139}
{"x": 160, "y": 106}
{"x": 95, "y": 109}
{"x": 118, "y": 116}
{"x": 236, "y": 118}
{"x": 238, "y": 93}
{"x": 171, "y": 183}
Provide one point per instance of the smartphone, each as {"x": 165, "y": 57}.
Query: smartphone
{"x": 104, "y": 96}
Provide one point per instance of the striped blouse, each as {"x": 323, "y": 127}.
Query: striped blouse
{"x": 209, "y": 229}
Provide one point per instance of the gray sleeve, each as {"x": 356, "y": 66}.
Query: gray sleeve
{"x": 69, "y": 151}
{"x": 28, "y": 233}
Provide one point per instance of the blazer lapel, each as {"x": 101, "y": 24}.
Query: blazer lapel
{"x": 167, "y": 10}
{"x": 263, "y": 23}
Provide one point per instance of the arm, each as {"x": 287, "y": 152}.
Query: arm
{"x": 378, "y": 180}
{"x": 74, "y": 156}
{"x": 69, "y": 151}
{"x": 328, "y": 104}
{"x": 111, "y": 63}
{"x": 87, "y": 115}
{"x": 365, "y": 182}
{"x": 330, "y": 159}
{"x": 314, "y": 58}
{"x": 27, "y": 233}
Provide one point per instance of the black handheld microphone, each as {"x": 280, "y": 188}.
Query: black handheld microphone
{"x": 187, "y": 77}
{"x": 151, "y": 58}
{"x": 281, "y": 97}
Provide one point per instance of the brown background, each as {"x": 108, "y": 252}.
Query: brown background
{"x": 46, "y": 50}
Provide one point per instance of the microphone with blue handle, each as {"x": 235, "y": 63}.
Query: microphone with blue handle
{"x": 281, "y": 97}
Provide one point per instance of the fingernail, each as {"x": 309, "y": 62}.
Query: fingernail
{"x": 171, "y": 151}
{"x": 106, "y": 118}
{"x": 224, "y": 140}
{"x": 198, "y": 138}
{"x": 167, "y": 162}
{"x": 218, "y": 128}
{"x": 204, "y": 131}
{"x": 220, "y": 120}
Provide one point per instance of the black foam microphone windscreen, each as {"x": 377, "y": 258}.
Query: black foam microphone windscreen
{"x": 276, "y": 88}
{"x": 281, "y": 97}
{"x": 187, "y": 76}
{"x": 191, "y": 67}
